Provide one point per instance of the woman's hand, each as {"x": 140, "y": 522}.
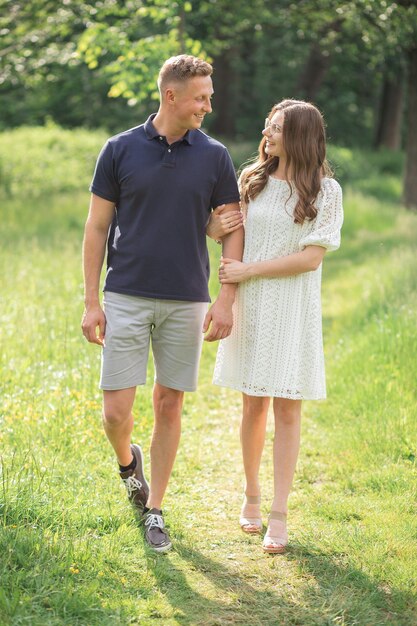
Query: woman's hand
{"x": 223, "y": 222}
{"x": 232, "y": 271}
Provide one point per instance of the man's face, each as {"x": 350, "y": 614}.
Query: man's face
{"x": 192, "y": 101}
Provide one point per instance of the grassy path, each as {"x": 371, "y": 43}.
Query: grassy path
{"x": 71, "y": 552}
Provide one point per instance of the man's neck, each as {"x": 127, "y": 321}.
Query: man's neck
{"x": 167, "y": 129}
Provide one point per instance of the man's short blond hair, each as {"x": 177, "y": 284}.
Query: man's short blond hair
{"x": 181, "y": 68}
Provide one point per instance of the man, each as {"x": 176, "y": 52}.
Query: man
{"x": 152, "y": 192}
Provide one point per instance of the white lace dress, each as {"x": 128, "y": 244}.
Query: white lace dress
{"x": 276, "y": 346}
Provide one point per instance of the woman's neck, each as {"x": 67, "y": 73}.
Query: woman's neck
{"x": 280, "y": 171}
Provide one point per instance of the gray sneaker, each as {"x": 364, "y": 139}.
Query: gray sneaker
{"x": 135, "y": 482}
{"x": 156, "y": 535}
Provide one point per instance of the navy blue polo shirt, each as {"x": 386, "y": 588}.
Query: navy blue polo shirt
{"x": 163, "y": 196}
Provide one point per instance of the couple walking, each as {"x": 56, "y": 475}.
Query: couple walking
{"x": 157, "y": 190}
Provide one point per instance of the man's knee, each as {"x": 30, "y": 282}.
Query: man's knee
{"x": 167, "y": 402}
{"x": 117, "y": 406}
{"x": 114, "y": 416}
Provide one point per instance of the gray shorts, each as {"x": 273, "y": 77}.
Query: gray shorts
{"x": 175, "y": 328}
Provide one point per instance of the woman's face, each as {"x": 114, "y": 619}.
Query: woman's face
{"x": 273, "y": 133}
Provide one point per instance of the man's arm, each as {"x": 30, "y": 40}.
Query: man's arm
{"x": 219, "y": 317}
{"x": 100, "y": 217}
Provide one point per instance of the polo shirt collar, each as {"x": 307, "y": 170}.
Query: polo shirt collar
{"x": 151, "y": 131}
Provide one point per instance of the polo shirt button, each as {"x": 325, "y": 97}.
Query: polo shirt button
{"x": 169, "y": 149}
{"x": 161, "y": 138}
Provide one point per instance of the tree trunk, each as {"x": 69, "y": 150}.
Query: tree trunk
{"x": 313, "y": 73}
{"x": 410, "y": 181}
{"x": 388, "y": 133}
{"x": 223, "y": 106}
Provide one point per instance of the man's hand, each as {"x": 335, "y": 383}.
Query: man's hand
{"x": 223, "y": 221}
{"x": 94, "y": 317}
{"x": 218, "y": 321}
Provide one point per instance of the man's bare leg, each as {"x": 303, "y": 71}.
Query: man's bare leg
{"x": 118, "y": 421}
{"x": 165, "y": 439}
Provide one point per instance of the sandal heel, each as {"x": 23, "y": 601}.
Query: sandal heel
{"x": 251, "y": 525}
{"x": 275, "y": 544}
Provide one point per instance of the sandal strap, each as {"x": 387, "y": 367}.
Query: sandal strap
{"x": 282, "y": 517}
{"x": 253, "y": 499}
{"x": 253, "y": 521}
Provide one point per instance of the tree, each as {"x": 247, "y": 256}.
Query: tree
{"x": 410, "y": 179}
{"x": 63, "y": 59}
{"x": 388, "y": 132}
{"x": 41, "y": 73}
{"x": 132, "y": 49}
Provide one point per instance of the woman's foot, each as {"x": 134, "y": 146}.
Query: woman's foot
{"x": 250, "y": 516}
{"x": 276, "y": 537}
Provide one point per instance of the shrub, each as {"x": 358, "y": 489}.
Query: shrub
{"x": 36, "y": 161}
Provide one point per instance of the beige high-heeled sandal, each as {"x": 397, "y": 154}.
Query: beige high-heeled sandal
{"x": 275, "y": 544}
{"x": 251, "y": 525}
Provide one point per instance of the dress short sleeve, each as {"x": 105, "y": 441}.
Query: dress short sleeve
{"x": 325, "y": 228}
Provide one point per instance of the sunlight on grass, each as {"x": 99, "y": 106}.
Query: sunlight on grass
{"x": 72, "y": 551}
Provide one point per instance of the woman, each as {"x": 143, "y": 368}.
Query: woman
{"x": 293, "y": 211}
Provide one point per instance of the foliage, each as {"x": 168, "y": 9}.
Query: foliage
{"x": 375, "y": 173}
{"x": 41, "y": 73}
{"x": 38, "y": 161}
{"x": 133, "y": 49}
{"x": 64, "y": 59}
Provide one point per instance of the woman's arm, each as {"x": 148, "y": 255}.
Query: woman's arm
{"x": 307, "y": 260}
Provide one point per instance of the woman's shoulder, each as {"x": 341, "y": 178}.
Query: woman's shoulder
{"x": 242, "y": 175}
{"x": 330, "y": 185}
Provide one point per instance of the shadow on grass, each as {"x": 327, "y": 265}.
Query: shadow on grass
{"x": 42, "y": 586}
{"x": 350, "y": 592}
{"x": 304, "y": 586}
{"x": 231, "y": 599}
{"x": 334, "y": 592}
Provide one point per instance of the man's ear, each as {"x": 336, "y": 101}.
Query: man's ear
{"x": 170, "y": 95}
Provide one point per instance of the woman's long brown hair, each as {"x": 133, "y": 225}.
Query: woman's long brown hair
{"x": 304, "y": 142}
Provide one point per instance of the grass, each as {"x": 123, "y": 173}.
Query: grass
{"x": 72, "y": 553}
{"x": 36, "y": 161}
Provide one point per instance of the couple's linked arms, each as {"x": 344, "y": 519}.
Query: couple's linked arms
{"x": 308, "y": 260}
{"x": 225, "y": 224}
{"x": 232, "y": 271}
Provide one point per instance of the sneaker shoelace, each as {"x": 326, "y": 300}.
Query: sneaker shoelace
{"x": 132, "y": 484}
{"x": 154, "y": 521}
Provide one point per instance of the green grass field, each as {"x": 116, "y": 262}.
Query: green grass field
{"x": 71, "y": 551}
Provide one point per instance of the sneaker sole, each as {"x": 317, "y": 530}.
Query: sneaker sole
{"x": 161, "y": 549}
